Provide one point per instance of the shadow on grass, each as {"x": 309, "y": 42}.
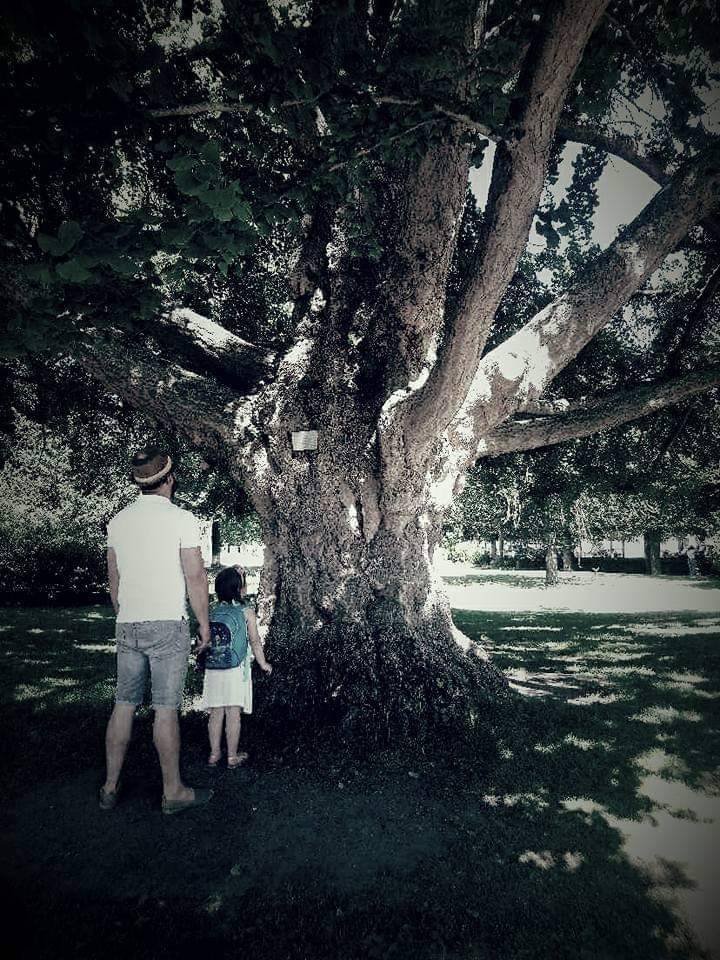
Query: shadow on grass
{"x": 530, "y": 580}
{"x": 299, "y": 858}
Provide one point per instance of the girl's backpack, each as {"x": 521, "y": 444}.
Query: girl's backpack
{"x": 228, "y": 637}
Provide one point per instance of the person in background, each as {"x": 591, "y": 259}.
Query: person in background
{"x": 154, "y": 561}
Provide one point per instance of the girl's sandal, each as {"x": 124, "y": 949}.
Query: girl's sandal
{"x": 237, "y": 760}
{"x": 214, "y": 759}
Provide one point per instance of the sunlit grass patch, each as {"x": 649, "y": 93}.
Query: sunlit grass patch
{"x": 672, "y": 629}
{"x": 545, "y": 860}
{"x": 686, "y": 676}
{"x": 28, "y": 691}
{"x": 583, "y": 744}
{"x": 664, "y": 715}
{"x": 595, "y": 699}
{"x": 533, "y": 801}
{"x": 627, "y": 671}
{"x": 108, "y": 647}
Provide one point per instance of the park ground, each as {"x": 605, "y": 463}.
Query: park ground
{"x": 587, "y": 829}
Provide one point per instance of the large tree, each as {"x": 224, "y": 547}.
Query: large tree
{"x": 254, "y": 219}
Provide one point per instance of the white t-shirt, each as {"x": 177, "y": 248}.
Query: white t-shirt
{"x": 147, "y": 537}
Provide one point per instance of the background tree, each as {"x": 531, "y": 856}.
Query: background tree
{"x": 245, "y": 221}
{"x": 64, "y": 473}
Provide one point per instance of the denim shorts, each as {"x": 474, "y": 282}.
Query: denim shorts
{"x": 160, "y": 647}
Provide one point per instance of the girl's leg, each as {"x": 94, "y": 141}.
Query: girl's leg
{"x": 232, "y": 734}
{"x": 215, "y": 723}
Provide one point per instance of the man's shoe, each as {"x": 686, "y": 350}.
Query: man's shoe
{"x": 108, "y": 800}
{"x": 200, "y": 797}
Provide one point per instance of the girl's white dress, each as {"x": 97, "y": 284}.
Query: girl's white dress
{"x": 229, "y": 688}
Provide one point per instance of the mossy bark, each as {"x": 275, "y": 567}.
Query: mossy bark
{"x": 357, "y": 622}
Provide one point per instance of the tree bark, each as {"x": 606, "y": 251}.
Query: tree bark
{"x": 651, "y": 543}
{"x": 353, "y": 609}
{"x": 601, "y": 413}
{"x": 567, "y": 558}
{"x": 551, "y": 566}
{"x": 493, "y": 551}
{"x": 215, "y": 541}
{"x": 515, "y": 187}
{"x": 501, "y": 546}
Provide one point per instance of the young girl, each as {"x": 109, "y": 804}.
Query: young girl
{"x": 228, "y": 692}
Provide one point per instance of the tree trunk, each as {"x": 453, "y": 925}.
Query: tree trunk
{"x": 567, "y": 558}
{"x": 501, "y": 546}
{"x": 356, "y": 615}
{"x": 651, "y": 542}
{"x": 216, "y": 541}
{"x": 551, "y": 566}
{"x": 493, "y": 552}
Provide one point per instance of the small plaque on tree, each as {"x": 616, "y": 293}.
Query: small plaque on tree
{"x": 304, "y": 440}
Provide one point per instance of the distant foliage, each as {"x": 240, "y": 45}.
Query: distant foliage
{"x": 52, "y": 535}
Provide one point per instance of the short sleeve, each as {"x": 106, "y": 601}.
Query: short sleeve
{"x": 189, "y": 530}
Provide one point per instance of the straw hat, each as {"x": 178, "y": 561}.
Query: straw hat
{"x": 150, "y": 466}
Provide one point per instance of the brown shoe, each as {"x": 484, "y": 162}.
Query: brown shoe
{"x": 108, "y": 800}
{"x": 199, "y": 798}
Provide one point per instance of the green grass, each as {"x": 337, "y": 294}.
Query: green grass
{"x": 315, "y": 857}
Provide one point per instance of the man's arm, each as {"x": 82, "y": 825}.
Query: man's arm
{"x": 113, "y": 578}
{"x": 197, "y": 590}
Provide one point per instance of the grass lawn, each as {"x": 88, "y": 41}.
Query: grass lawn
{"x": 590, "y": 834}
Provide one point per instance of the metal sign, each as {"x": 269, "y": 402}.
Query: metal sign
{"x": 304, "y": 439}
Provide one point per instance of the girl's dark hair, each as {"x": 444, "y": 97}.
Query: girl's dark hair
{"x": 229, "y": 584}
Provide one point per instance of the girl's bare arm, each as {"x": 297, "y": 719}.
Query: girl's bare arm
{"x": 255, "y": 643}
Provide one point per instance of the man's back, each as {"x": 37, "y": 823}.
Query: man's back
{"x": 147, "y": 537}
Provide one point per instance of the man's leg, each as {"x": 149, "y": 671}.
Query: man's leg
{"x": 168, "y": 649}
{"x": 166, "y": 737}
{"x": 132, "y": 668}
{"x": 117, "y": 738}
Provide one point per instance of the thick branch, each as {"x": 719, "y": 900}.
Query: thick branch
{"x": 617, "y": 144}
{"x": 520, "y": 369}
{"x": 213, "y": 417}
{"x": 599, "y": 414}
{"x": 218, "y": 106}
{"x": 205, "y": 342}
{"x": 626, "y": 149}
{"x": 698, "y": 314}
{"x": 517, "y": 182}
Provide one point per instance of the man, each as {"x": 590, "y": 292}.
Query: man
{"x": 153, "y": 560}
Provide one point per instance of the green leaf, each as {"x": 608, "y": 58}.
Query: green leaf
{"x": 73, "y": 271}
{"x": 68, "y": 235}
{"x": 38, "y": 271}
{"x": 211, "y": 151}
{"x": 188, "y": 183}
{"x": 123, "y": 266}
{"x": 48, "y": 244}
{"x": 243, "y": 211}
{"x": 181, "y": 162}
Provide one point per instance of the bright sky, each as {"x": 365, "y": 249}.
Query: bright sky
{"x": 623, "y": 191}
